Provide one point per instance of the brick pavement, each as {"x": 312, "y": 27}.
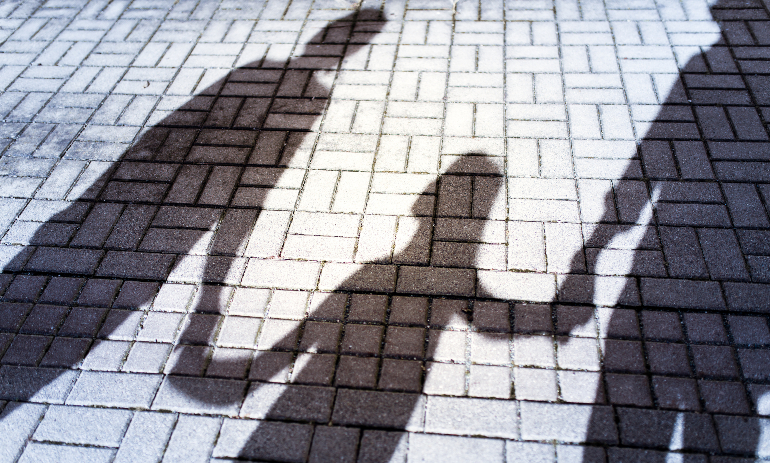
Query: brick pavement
{"x": 335, "y": 231}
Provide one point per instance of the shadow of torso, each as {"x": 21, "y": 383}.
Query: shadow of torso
{"x": 669, "y": 251}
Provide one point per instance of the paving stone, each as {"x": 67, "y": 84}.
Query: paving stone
{"x": 474, "y": 417}
{"x": 198, "y": 395}
{"x": 288, "y": 402}
{"x": 47, "y": 385}
{"x": 48, "y": 452}
{"x": 526, "y": 451}
{"x": 697, "y": 431}
{"x": 146, "y": 437}
{"x": 131, "y": 149}
{"x": 18, "y": 422}
{"x": 568, "y": 423}
{"x": 114, "y": 390}
{"x": 382, "y": 445}
{"x": 334, "y": 444}
{"x": 79, "y": 425}
{"x": 192, "y": 439}
{"x": 264, "y": 440}
{"x": 427, "y": 447}
{"x": 383, "y": 409}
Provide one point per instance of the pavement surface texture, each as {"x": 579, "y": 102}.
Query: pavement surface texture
{"x": 385, "y": 231}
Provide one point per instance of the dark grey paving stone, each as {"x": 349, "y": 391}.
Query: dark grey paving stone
{"x": 382, "y": 409}
{"x": 739, "y": 434}
{"x": 334, "y": 444}
{"x": 264, "y": 440}
{"x": 616, "y": 455}
{"x": 288, "y": 402}
{"x": 657, "y": 428}
{"x": 64, "y": 260}
{"x": 378, "y": 446}
{"x": 140, "y": 265}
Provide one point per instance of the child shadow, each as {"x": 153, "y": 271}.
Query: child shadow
{"x": 376, "y": 359}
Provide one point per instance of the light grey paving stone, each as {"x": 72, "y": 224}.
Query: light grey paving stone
{"x": 472, "y": 417}
{"x": 106, "y": 355}
{"x": 47, "y": 385}
{"x": 264, "y": 440}
{"x": 200, "y": 395}
{"x": 37, "y": 452}
{"x": 382, "y": 409}
{"x": 125, "y": 390}
{"x": 567, "y": 453}
{"x": 192, "y": 440}
{"x": 80, "y": 425}
{"x": 567, "y": 423}
{"x": 17, "y": 422}
{"x": 146, "y": 437}
{"x": 446, "y": 449}
{"x": 288, "y": 402}
{"x": 521, "y": 452}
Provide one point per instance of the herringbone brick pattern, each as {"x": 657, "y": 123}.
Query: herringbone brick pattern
{"x": 376, "y": 231}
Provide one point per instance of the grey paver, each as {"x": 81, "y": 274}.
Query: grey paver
{"x": 79, "y": 425}
{"x": 48, "y": 452}
{"x": 123, "y": 390}
{"x": 45, "y": 385}
{"x": 264, "y": 440}
{"x": 427, "y": 447}
{"x": 475, "y": 417}
{"x": 192, "y": 439}
{"x": 185, "y": 394}
{"x": 18, "y": 421}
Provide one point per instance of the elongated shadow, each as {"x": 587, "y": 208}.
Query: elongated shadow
{"x": 678, "y": 222}
{"x": 182, "y": 201}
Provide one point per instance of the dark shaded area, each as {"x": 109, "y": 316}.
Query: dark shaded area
{"x": 214, "y": 160}
{"x": 703, "y": 166}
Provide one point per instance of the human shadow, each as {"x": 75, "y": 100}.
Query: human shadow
{"x": 183, "y": 201}
{"x": 375, "y": 350}
{"x": 668, "y": 253}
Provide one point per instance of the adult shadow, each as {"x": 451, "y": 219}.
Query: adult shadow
{"x": 668, "y": 252}
{"x": 179, "y": 205}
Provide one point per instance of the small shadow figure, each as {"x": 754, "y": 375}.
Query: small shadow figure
{"x": 356, "y": 404}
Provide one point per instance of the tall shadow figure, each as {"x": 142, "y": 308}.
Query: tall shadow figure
{"x": 696, "y": 194}
{"x": 184, "y": 198}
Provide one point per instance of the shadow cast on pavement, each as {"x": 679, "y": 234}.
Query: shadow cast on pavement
{"x": 202, "y": 189}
